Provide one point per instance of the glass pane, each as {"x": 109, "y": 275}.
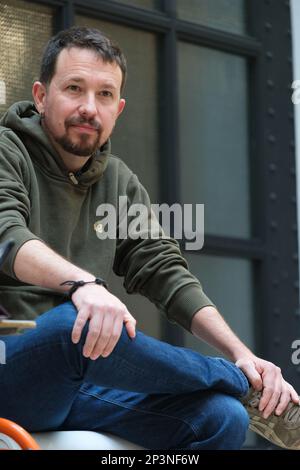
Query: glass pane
{"x": 25, "y": 28}
{"x": 213, "y": 99}
{"x": 142, "y": 3}
{"x": 228, "y": 15}
{"x": 229, "y": 284}
{"x": 135, "y": 139}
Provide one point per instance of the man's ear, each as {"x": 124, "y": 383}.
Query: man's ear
{"x": 39, "y": 96}
{"x": 121, "y": 106}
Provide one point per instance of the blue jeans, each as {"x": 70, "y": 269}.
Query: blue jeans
{"x": 149, "y": 392}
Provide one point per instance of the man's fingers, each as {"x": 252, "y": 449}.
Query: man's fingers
{"x": 130, "y": 324}
{"x": 103, "y": 337}
{"x": 104, "y": 330}
{"x": 269, "y": 401}
{"x": 289, "y": 394}
{"x": 94, "y": 332}
{"x": 285, "y": 398}
{"x": 294, "y": 395}
{"x": 130, "y": 327}
{"x": 79, "y": 324}
{"x": 115, "y": 336}
{"x": 248, "y": 367}
{"x": 104, "y": 350}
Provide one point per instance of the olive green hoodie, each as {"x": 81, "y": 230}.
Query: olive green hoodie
{"x": 40, "y": 199}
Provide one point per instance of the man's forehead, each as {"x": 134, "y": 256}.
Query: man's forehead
{"x": 74, "y": 59}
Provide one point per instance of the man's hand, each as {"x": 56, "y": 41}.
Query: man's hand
{"x": 106, "y": 314}
{"x": 266, "y": 376}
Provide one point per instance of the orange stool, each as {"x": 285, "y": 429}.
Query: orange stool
{"x": 17, "y": 434}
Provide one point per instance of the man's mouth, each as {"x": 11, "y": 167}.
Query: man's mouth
{"x": 83, "y": 128}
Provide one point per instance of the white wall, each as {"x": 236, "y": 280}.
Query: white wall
{"x": 295, "y": 12}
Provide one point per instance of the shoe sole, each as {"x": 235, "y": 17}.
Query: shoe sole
{"x": 267, "y": 433}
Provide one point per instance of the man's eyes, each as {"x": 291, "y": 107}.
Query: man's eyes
{"x": 106, "y": 93}
{"x": 73, "y": 88}
{"x": 102, "y": 93}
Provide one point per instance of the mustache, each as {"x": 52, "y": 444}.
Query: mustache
{"x": 75, "y": 121}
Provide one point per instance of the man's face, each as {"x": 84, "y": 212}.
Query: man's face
{"x": 82, "y": 102}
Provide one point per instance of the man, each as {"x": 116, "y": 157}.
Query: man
{"x": 85, "y": 366}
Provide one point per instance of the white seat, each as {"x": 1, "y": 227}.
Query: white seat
{"x": 81, "y": 440}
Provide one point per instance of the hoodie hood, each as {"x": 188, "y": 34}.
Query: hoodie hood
{"x": 24, "y": 119}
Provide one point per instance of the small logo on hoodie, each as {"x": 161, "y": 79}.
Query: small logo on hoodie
{"x": 98, "y": 227}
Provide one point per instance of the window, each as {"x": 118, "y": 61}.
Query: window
{"x": 214, "y": 144}
{"x": 227, "y": 15}
{"x": 25, "y": 27}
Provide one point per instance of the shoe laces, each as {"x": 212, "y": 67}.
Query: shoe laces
{"x": 254, "y": 399}
{"x": 292, "y": 415}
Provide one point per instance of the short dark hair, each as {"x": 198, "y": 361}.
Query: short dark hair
{"x": 84, "y": 38}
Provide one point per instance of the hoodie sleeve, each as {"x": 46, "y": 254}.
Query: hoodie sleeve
{"x": 152, "y": 263}
{"x": 14, "y": 196}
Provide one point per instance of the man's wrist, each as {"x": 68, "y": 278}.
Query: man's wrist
{"x": 243, "y": 353}
{"x": 77, "y": 276}
{"x": 75, "y": 285}
{"x": 80, "y": 294}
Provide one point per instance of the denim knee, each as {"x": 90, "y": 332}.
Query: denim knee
{"x": 233, "y": 422}
{"x": 59, "y": 321}
{"x": 223, "y": 423}
{"x": 237, "y": 418}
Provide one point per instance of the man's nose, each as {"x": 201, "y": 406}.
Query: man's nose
{"x": 88, "y": 107}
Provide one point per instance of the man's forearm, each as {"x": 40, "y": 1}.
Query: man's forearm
{"x": 209, "y": 325}
{"x": 37, "y": 264}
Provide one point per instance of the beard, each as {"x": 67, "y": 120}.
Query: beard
{"x": 85, "y": 144}
{"x": 84, "y": 148}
